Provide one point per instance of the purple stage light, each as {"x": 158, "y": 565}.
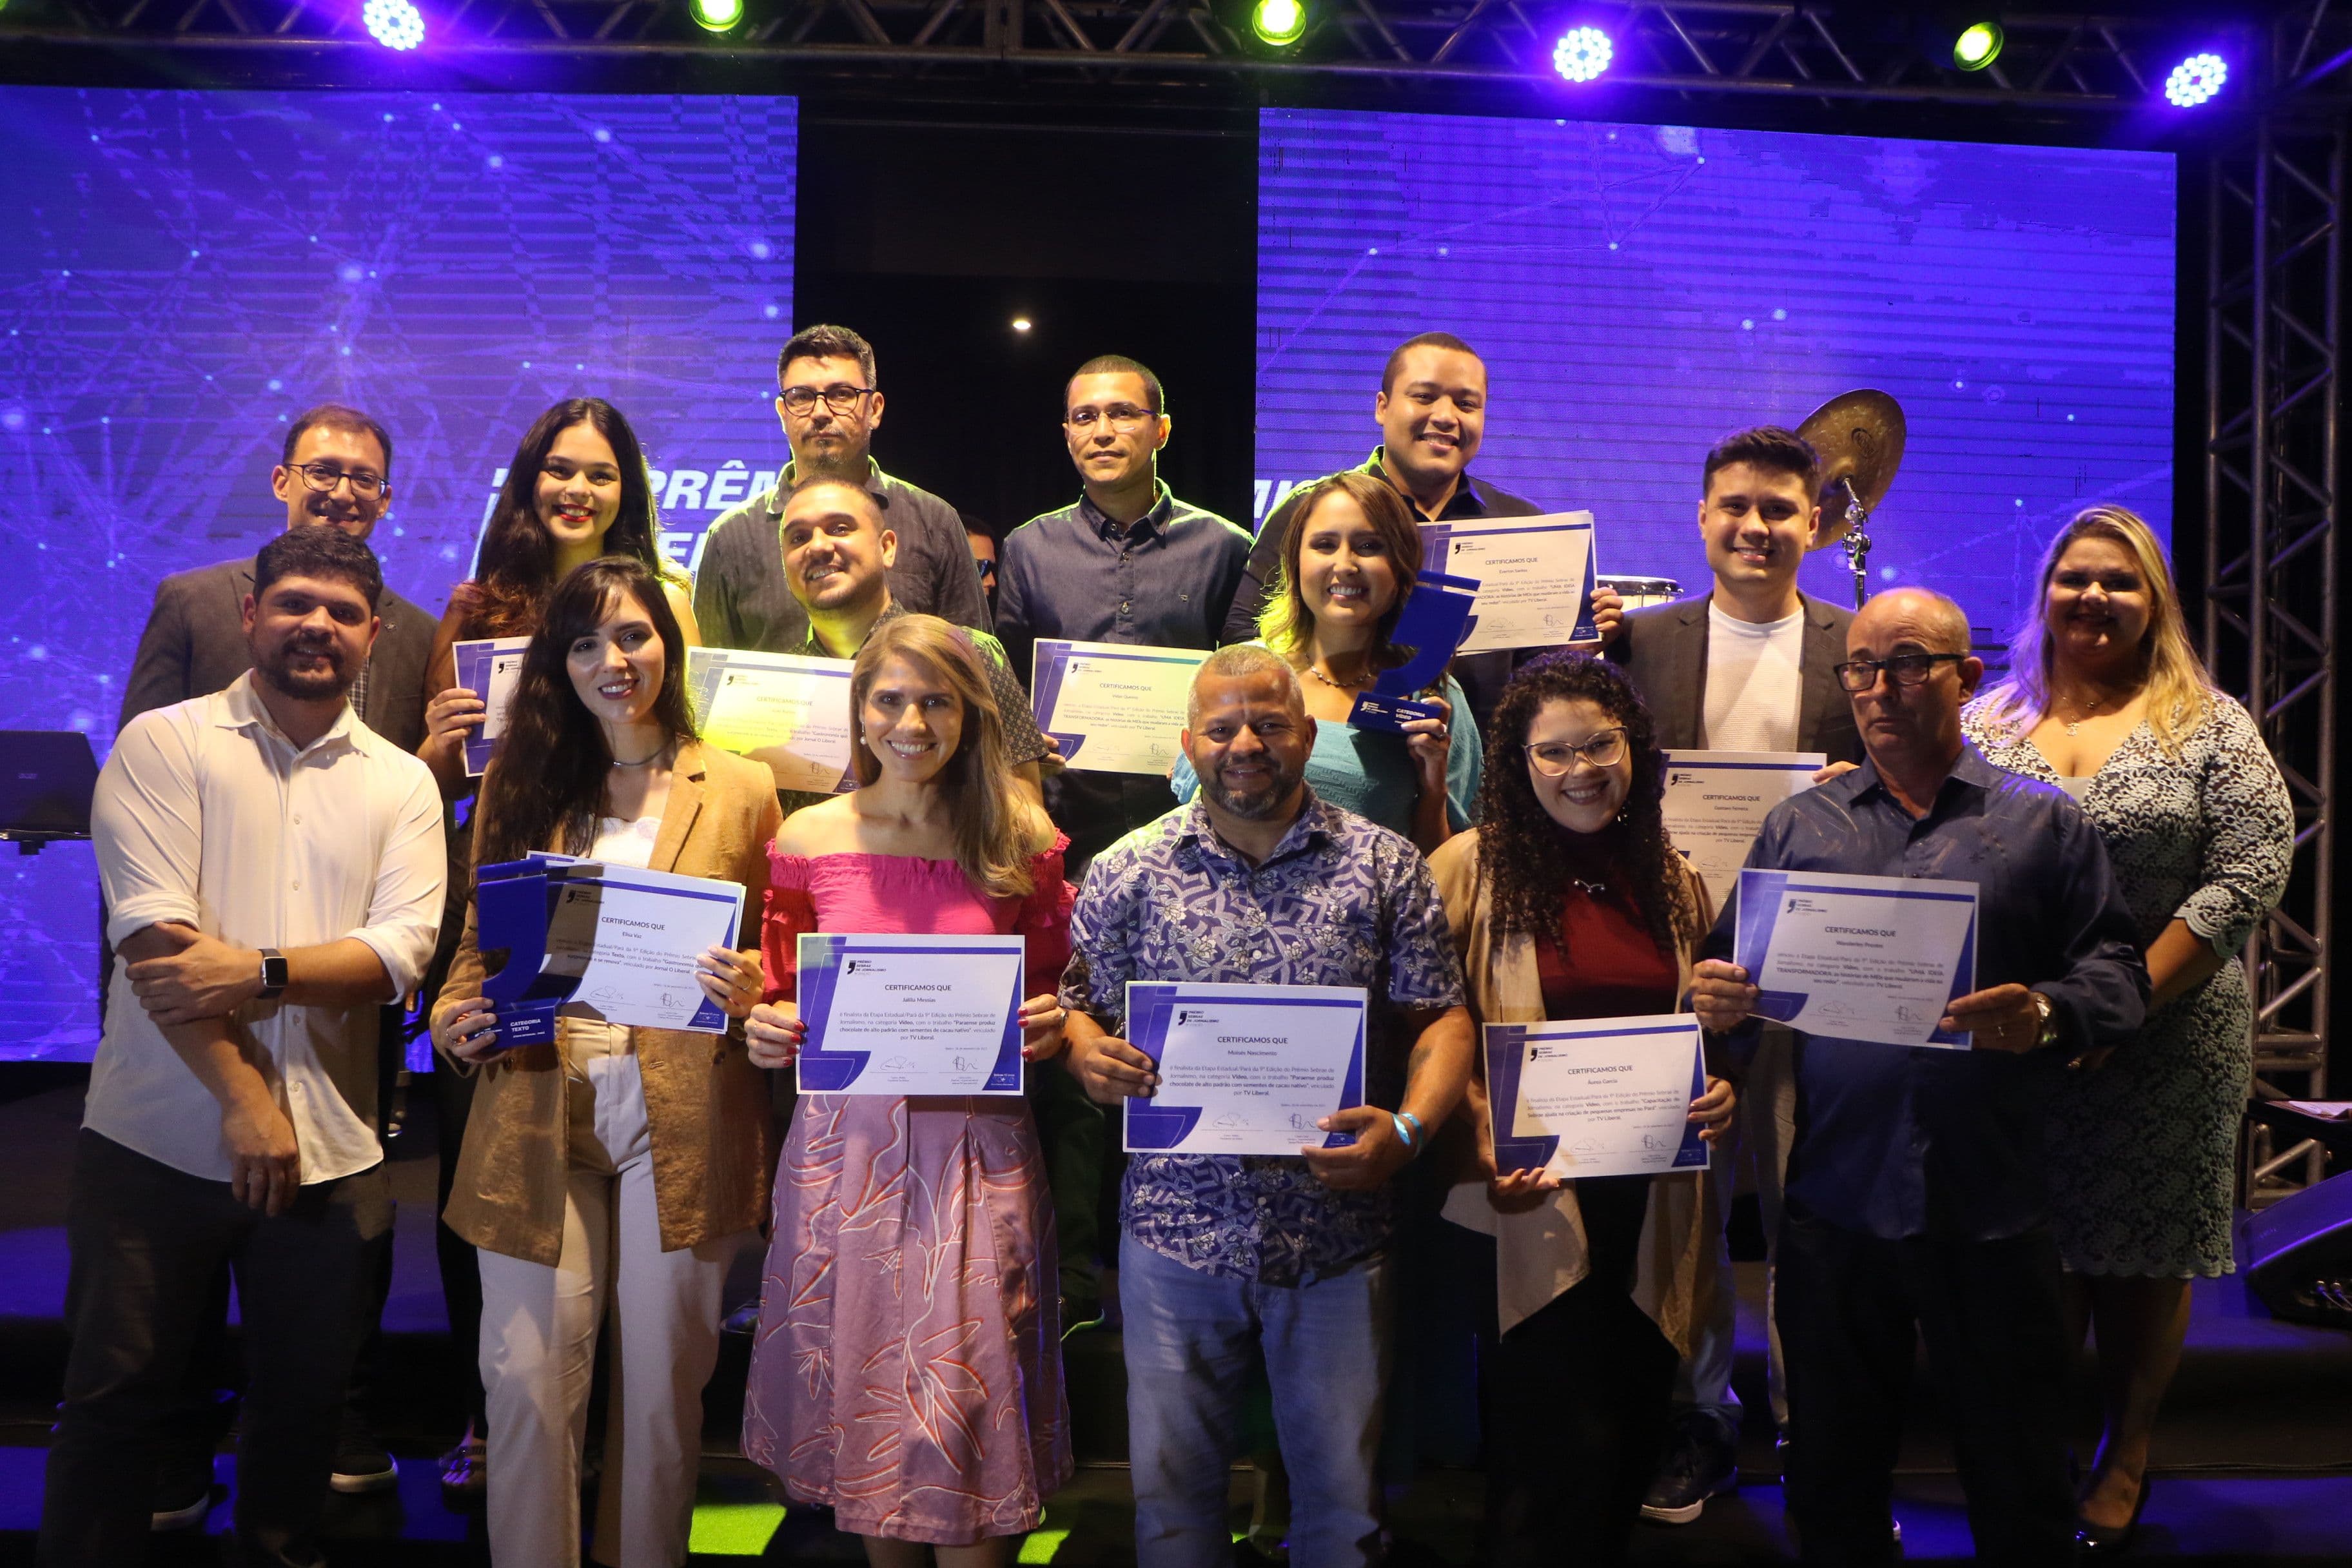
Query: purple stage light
{"x": 394, "y": 23}
{"x": 2196, "y": 80}
{"x": 1582, "y": 53}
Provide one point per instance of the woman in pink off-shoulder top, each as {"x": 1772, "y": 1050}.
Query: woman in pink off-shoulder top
{"x": 907, "y": 1372}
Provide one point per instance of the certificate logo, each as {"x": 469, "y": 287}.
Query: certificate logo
{"x": 1185, "y": 1016}
{"x": 1677, "y": 776}
{"x": 861, "y": 966}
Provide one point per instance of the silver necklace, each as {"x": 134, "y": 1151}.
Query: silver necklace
{"x": 1339, "y": 685}
{"x": 644, "y": 762}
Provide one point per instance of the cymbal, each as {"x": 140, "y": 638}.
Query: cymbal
{"x": 1859, "y": 436}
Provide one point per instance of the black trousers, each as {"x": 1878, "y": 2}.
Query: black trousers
{"x": 461, "y": 1269}
{"x": 1852, "y": 1311}
{"x": 146, "y": 1242}
{"x": 1577, "y": 1403}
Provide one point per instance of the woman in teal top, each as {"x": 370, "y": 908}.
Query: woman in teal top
{"x": 1348, "y": 563}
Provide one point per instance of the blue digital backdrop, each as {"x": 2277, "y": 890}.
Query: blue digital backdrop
{"x": 1637, "y": 292}
{"x": 182, "y": 272}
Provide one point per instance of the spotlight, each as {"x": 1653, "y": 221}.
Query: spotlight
{"x": 394, "y": 23}
{"x": 1278, "y": 22}
{"x": 2195, "y": 80}
{"x": 1582, "y": 53}
{"x": 716, "y": 15}
{"x": 1977, "y": 46}
{"x": 1022, "y": 323}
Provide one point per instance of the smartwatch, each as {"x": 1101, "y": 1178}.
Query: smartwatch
{"x": 273, "y": 973}
{"x": 2046, "y": 1011}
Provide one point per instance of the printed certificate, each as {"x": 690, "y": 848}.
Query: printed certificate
{"x": 489, "y": 667}
{"x": 1857, "y": 958}
{"x": 1535, "y": 577}
{"x": 1244, "y": 1069}
{"x": 1112, "y": 709}
{"x": 1596, "y": 1096}
{"x": 905, "y": 1014}
{"x": 1716, "y": 801}
{"x": 632, "y": 937}
{"x": 785, "y": 710}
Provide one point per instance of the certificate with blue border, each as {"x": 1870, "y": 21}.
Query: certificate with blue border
{"x": 1596, "y": 1096}
{"x": 1244, "y": 1069}
{"x": 787, "y": 710}
{"x": 1716, "y": 801}
{"x": 1535, "y": 577}
{"x": 911, "y": 1015}
{"x": 1112, "y": 709}
{"x": 1878, "y": 959}
{"x": 489, "y": 667}
{"x": 631, "y": 938}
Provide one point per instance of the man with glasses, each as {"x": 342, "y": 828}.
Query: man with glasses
{"x": 1745, "y": 667}
{"x": 829, "y": 404}
{"x": 335, "y": 470}
{"x": 1916, "y": 1204}
{"x": 1128, "y": 563}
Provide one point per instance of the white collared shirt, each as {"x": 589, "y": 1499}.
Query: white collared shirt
{"x": 207, "y": 814}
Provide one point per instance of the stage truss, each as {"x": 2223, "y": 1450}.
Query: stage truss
{"x": 2275, "y": 359}
{"x": 1816, "y": 52}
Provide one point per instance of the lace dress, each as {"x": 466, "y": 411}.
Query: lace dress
{"x": 2143, "y": 1151}
{"x": 907, "y": 1370}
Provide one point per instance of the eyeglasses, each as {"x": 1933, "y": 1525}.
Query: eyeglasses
{"x": 1554, "y": 758}
{"x": 841, "y": 398}
{"x": 324, "y": 477}
{"x": 1124, "y": 417}
{"x": 1903, "y": 669}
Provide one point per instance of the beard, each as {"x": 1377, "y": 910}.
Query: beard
{"x": 307, "y": 685}
{"x": 1258, "y": 805}
{"x": 842, "y": 458}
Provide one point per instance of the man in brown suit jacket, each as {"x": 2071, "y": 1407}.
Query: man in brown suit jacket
{"x": 334, "y": 468}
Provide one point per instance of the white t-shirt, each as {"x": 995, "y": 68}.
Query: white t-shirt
{"x": 1755, "y": 680}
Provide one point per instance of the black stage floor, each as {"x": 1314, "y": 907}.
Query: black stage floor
{"x": 2253, "y": 1460}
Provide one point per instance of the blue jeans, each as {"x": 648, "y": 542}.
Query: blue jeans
{"x": 1190, "y": 1339}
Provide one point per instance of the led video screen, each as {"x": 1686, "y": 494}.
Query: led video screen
{"x": 1639, "y": 290}
{"x": 182, "y": 272}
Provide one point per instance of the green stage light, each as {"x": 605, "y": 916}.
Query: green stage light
{"x": 1278, "y": 22}
{"x": 716, "y": 15}
{"x": 1977, "y": 46}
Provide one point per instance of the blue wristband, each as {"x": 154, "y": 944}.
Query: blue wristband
{"x": 1420, "y": 1132}
{"x": 1404, "y": 1133}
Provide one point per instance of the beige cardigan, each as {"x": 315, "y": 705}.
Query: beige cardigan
{"x": 1541, "y": 1253}
{"x": 705, "y": 1104}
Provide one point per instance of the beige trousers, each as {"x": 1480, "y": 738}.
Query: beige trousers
{"x": 540, "y": 1330}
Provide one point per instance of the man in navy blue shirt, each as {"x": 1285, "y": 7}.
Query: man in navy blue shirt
{"x": 1915, "y": 1199}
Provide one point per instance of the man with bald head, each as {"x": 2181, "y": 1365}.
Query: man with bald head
{"x": 1225, "y": 1260}
{"x": 1916, "y": 1202}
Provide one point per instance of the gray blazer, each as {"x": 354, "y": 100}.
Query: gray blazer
{"x": 1663, "y": 649}
{"x": 194, "y": 645}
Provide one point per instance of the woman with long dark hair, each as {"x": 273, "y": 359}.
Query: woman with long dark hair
{"x": 1349, "y": 559}
{"x": 576, "y": 490}
{"x": 620, "y": 1162}
{"x": 2107, "y": 699}
{"x": 907, "y": 1369}
{"x": 1569, "y": 901}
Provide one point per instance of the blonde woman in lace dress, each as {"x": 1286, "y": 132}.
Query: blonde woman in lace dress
{"x": 2107, "y": 700}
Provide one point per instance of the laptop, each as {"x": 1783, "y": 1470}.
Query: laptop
{"x": 46, "y": 777}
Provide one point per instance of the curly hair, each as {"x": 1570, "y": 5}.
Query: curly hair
{"x": 1525, "y": 856}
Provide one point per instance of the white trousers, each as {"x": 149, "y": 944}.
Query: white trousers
{"x": 539, "y": 1347}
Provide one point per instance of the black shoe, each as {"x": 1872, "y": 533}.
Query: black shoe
{"x": 2099, "y": 1540}
{"x": 362, "y": 1464}
{"x": 1702, "y": 1461}
{"x": 183, "y": 1494}
{"x": 1080, "y": 1313}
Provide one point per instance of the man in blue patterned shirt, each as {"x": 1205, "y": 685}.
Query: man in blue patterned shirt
{"x": 1258, "y": 882}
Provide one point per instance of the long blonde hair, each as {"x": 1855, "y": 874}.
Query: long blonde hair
{"x": 2179, "y": 693}
{"x": 991, "y": 845}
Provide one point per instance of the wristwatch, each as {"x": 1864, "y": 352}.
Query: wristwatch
{"x": 273, "y": 973}
{"x": 2046, "y": 1012}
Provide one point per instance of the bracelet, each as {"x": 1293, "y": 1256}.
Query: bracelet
{"x": 1405, "y": 1133}
{"x": 1421, "y": 1133}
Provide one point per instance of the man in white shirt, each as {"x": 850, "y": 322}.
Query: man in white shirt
{"x": 273, "y": 871}
{"x": 1745, "y": 667}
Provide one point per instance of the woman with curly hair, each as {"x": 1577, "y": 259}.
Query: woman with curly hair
{"x": 1569, "y": 902}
